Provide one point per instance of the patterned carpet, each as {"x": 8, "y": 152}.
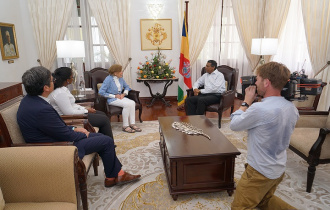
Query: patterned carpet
{"x": 140, "y": 154}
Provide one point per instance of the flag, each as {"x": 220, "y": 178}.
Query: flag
{"x": 184, "y": 67}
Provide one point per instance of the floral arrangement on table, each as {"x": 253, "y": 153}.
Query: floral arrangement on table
{"x": 156, "y": 67}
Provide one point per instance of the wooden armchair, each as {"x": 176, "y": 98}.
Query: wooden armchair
{"x": 227, "y": 98}
{"x": 13, "y": 137}
{"x": 97, "y": 77}
{"x": 311, "y": 141}
{"x": 39, "y": 177}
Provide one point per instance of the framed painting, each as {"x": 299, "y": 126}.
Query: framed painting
{"x": 156, "y": 33}
{"x": 8, "y": 43}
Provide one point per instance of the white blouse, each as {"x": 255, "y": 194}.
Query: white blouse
{"x": 64, "y": 102}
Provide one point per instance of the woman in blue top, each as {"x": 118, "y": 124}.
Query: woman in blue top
{"x": 115, "y": 89}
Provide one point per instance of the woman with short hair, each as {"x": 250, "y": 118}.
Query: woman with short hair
{"x": 115, "y": 89}
{"x": 64, "y": 102}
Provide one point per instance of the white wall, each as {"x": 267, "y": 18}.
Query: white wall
{"x": 16, "y": 12}
{"x": 139, "y": 11}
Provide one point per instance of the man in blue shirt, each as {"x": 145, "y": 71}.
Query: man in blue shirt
{"x": 270, "y": 124}
{"x": 214, "y": 84}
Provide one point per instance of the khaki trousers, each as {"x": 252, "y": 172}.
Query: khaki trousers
{"x": 256, "y": 190}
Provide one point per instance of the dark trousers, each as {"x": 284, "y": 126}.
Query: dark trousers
{"x": 104, "y": 146}
{"x": 196, "y": 105}
{"x": 101, "y": 120}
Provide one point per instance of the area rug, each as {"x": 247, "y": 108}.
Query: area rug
{"x": 140, "y": 154}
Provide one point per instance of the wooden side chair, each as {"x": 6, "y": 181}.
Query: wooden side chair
{"x": 98, "y": 75}
{"x": 228, "y": 97}
{"x": 311, "y": 141}
{"x": 13, "y": 138}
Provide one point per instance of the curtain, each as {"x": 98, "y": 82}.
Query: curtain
{"x": 113, "y": 19}
{"x": 258, "y": 19}
{"x": 316, "y": 15}
{"x": 49, "y": 21}
{"x": 292, "y": 49}
{"x": 201, "y": 14}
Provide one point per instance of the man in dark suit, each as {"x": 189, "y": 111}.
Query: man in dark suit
{"x": 40, "y": 122}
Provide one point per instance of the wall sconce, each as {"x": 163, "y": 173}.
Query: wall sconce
{"x": 155, "y": 9}
{"x": 71, "y": 49}
{"x": 264, "y": 46}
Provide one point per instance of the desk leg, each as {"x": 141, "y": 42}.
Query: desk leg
{"x": 158, "y": 95}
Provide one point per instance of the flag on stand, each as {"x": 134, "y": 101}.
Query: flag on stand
{"x": 184, "y": 67}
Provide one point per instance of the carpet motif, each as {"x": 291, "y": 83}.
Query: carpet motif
{"x": 140, "y": 154}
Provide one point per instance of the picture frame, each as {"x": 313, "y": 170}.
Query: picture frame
{"x": 8, "y": 42}
{"x": 156, "y": 34}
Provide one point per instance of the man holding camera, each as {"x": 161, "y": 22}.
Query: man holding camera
{"x": 270, "y": 124}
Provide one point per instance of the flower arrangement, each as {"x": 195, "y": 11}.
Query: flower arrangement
{"x": 156, "y": 67}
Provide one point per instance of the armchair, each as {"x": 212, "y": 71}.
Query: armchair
{"x": 227, "y": 98}
{"x": 13, "y": 137}
{"x": 97, "y": 77}
{"x": 311, "y": 141}
{"x": 39, "y": 178}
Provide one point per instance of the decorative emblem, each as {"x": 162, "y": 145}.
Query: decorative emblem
{"x": 186, "y": 69}
{"x": 156, "y": 34}
{"x": 188, "y": 128}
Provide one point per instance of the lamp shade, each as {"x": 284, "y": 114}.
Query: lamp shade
{"x": 70, "y": 49}
{"x": 264, "y": 46}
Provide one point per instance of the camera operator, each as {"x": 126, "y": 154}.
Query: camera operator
{"x": 270, "y": 124}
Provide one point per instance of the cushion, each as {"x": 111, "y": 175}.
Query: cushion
{"x": 99, "y": 86}
{"x": 2, "y": 201}
{"x": 327, "y": 124}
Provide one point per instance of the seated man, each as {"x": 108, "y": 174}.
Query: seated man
{"x": 214, "y": 84}
{"x": 40, "y": 122}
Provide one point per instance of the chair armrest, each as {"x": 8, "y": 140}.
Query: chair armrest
{"x": 317, "y": 146}
{"x": 134, "y": 95}
{"x": 227, "y": 98}
{"x": 78, "y": 116}
{"x": 81, "y": 122}
{"x": 61, "y": 143}
{"x": 190, "y": 92}
{"x": 87, "y": 104}
{"x": 100, "y": 103}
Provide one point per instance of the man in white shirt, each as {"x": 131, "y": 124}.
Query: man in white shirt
{"x": 9, "y": 47}
{"x": 214, "y": 84}
{"x": 270, "y": 124}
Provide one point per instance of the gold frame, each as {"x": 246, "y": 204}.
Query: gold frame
{"x": 4, "y": 27}
{"x": 156, "y": 33}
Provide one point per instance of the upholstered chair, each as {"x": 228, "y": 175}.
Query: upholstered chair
{"x": 228, "y": 97}
{"x": 311, "y": 141}
{"x": 39, "y": 177}
{"x": 13, "y": 137}
{"x": 97, "y": 76}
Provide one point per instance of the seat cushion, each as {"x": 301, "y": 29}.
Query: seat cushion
{"x": 99, "y": 86}
{"x": 88, "y": 160}
{"x": 48, "y": 206}
{"x": 304, "y": 138}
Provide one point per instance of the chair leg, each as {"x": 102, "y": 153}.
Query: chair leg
{"x": 220, "y": 117}
{"x": 231, "y": 109}
{"x": 140, "y": 113}
{"x": 118, "y": 117}
{"x": 95, "y": 165}
{"x": 82, "y": 178}
{"x": 310, "y": 177}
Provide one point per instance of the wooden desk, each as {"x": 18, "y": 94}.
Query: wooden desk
{"x": 193, "y": 163}
{"x": 158, "y": 96}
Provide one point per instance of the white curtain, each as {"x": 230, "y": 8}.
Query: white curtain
{"x": 201, "y": 14}
{"x": 49, "y": 21}
{"x": 292, "y": 49}
{"x": 232, "y": 52}
{"x": 259, "y": 18}
{"x": 316, "y": 16}
{"x": 113, "y": 19}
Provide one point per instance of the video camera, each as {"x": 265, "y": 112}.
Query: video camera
{"x": 296, "y": 88}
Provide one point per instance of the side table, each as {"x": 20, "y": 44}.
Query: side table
{"x": 158, "y": 96}
{"x": 85, "y": 98}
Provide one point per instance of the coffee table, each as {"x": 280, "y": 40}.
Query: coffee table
{"x": 193, "y": 163}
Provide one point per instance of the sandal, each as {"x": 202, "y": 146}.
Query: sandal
{"x": 134, "y": 127}
{"x": 128, "y": 129}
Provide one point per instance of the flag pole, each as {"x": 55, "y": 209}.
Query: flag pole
{"x": 187, "y": 2}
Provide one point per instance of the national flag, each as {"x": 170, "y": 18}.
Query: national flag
{"x": 184, "y": 67}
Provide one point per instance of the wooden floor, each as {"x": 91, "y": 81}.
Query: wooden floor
{"x": 160, "y": 110}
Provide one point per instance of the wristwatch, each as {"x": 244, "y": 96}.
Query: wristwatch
{"x": 245, "y": 104}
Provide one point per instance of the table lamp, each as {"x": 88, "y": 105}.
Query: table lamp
{"x": 264, "y": 46}
{"x": 71, "y": 49}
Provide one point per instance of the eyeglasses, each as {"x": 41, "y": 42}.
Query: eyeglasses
{"x": 53, "y": 80}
